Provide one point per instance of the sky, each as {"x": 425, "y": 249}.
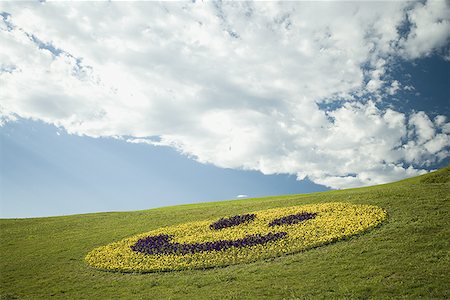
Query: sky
{"x": 111, "y": 106}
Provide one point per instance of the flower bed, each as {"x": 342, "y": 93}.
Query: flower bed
{"x": 236, "y": 239}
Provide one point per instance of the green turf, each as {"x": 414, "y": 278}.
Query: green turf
{"x": 407, "y": 257}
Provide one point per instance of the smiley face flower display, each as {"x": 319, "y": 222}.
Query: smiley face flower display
{"x": 236, "y": 239}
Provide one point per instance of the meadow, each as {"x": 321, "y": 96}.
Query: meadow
{"x": 406, "y": 257}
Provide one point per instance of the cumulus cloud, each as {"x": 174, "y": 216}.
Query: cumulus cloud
{"x": 395, "y": 86}
{"x": 430, "y": 28}
{"x": 235, "y": 84}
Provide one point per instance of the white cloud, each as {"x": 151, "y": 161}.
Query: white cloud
{"x": 440, "y": 120}
{"x": 430, "y": 28}
{"x": 395, "y": 86}
{"x": 242, "y": 196}
{"x": 446, "y": 128}
{"x": 235, "y": 84}
{"x": 422, "y": 126}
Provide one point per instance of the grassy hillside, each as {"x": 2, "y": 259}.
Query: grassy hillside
{"x": 407, "y": 257}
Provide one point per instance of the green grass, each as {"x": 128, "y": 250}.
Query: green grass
{"x": 407, "y": 257}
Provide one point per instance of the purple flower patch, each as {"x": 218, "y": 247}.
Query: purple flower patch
{"x": 293, "y": 219}
{"x": 160, "y": 244}
{"x": 232, "y": 221}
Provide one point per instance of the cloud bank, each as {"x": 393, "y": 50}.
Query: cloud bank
{"x": 293, "y": 87}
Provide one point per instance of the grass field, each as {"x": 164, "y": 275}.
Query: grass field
{"x": 407, "y": 257}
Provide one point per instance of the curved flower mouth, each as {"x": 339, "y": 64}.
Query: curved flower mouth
{"x": 160, "y": 244}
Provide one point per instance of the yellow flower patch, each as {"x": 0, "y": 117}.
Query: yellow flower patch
{"x": 328, "y": 222}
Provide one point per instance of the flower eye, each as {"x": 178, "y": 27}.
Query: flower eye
{"x": 293, "y": 219}
{"x": 232, "y": 221}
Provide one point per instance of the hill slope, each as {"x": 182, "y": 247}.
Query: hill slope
{"x": 407, "y": 257}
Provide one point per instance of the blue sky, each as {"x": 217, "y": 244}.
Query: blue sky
{"x": 46, "y": 171}
{"x": 124, "y": 106}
